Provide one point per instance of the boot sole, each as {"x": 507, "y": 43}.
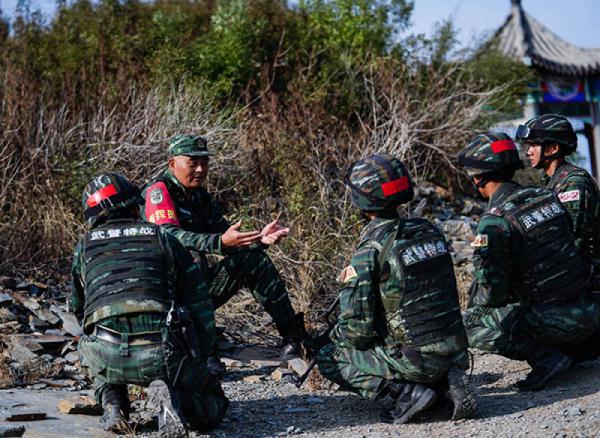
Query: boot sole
{"x": 560, "y": 368}
{"x": 171, "y": 422}
{"x": 467, "y": 408}
{"x": 426, "y": 400}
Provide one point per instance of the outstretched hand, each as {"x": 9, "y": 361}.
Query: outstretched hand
{"x": 233, "y": 238}
{"x": 273, "y": 232}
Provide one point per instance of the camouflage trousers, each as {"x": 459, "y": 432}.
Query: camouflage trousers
{"x": 517, "y": 331}
{"x": 253, "y": 269}
{"x": 364, "y": 371}
{"x": 204, "y": 402}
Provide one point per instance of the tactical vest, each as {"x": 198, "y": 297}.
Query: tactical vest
{"x": 547, "y": 268}
{"x": 419, "y": 298}
{"x": 126, "y": 271}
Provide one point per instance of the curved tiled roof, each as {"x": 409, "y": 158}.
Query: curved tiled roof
{"x": 526, "y": 39}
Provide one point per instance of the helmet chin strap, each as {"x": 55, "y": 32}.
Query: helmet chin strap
{"x": 544, "y": 158}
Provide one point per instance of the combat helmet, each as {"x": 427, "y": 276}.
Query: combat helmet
{"x": 548, "y": 129}
{"x": 106, "y": 194}
{"x": 379, "y": 182}
{"x": 490, "y": 154}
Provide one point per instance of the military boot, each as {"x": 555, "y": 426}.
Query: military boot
{"x": 115, "y": 403}
{"x": 296, "y": 340}
{"x": 171, "y": 420}
{"x": 546, "y": 364}
{"x": 462, "y": 398}
{"x": 411, "y": 399}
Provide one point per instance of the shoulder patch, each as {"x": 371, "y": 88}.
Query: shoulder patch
{"x": 571, "y": 195}
{"x": 160, "y": 208}
{"x": 481, "y": 241}
{"x": 347, "y": 274}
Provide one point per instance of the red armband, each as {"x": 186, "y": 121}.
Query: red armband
{"x": 160, "y": 208}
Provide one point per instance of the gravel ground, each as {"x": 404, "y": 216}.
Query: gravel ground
{"x": 569, "y": 407}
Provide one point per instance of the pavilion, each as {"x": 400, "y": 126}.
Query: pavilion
{"x": 568, "y": 76}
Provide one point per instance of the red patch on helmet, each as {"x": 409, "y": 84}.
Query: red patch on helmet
{"x": 397, "y": 185}
{"x": 101, "y": 195}
{"x": 160, "y": 208}
{"x": 503, "y": 145}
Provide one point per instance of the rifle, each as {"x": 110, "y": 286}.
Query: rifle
{"x": 320, "y": 341}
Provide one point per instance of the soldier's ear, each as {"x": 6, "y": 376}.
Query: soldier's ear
{"x": 551, "y": 149}
{"x": 171, "y": 162}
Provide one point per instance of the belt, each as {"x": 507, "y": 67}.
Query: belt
{"x": 117, "y": 338}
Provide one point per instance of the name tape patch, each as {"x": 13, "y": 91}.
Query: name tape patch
{"x": 421, "y": 252}
{"x": 113, "y": 233}
{"x": 541, "y": 214}
{"x": 571, "y": 195}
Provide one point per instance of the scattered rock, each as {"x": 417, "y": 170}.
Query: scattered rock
{"x": 458, "y": 229}
{"x": 5, "y": 300}
{"x": 573, "y": 411}
{"x": 231, "y": 363}
{"x": 253, "y": 379}
{"x": 69, "y": 322}
{"x": 280, "y": 373}
{"x": 11, "y": 431}
{"x": 26, "y": 416}
{"x": 72, "y": 358}
{"x": 260, "y": 357}
{"x": 80, "y": 405}
{"x": 19, "y": 350}
{"x": 297, "y": 365}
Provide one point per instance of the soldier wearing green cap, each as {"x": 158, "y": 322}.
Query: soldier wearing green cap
{"x": 550, "y": 139}
{"x": 400, "y": 332}
{"x": 139, "y": 297}
{"x": 178, "y": 201}
{"x": 530, "y": 299}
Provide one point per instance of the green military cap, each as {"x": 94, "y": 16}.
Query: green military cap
{"x": 190, "y": 145}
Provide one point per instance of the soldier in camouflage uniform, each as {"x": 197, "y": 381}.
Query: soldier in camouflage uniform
{"x": 400, "y": 331}
{"x": 531, "y": 298}
{"x": 132, "y": 286}
{"x": 177, "y": 201}
{"x": 550, "y": 139}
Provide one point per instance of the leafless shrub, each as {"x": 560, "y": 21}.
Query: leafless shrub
{"x": 47, "y": 157}
{"x": 271, "y": 157}
{"x": 303, "y": 153}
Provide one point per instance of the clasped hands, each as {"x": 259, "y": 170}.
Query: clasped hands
{"x": 271, "y": 234}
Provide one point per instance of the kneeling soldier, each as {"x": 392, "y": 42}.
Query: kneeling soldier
{"x": 400, "y": 331}
{"x": 140, "y": 299}
{"x": 531, "y": 297}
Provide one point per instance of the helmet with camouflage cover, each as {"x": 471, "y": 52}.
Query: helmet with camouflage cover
{"x": 379, "y": 182}
{"x": 548, "y": 129}
{"x": 489, "y": 154}
{"x": 106, "y": 194}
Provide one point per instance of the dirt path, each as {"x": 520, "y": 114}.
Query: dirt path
{"x": 265, "y": 408}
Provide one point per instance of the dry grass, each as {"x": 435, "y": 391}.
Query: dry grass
{"x": 7, "y": 377}
{"x": 270, "y": 157}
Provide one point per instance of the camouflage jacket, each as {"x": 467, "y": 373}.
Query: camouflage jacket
{"x": 579, "y": 194}
{"x": 512, "y": 264}
{"x": 189, "y": 286}
{"x": 373, "y": 299}
{"x": 193, "y": 216}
